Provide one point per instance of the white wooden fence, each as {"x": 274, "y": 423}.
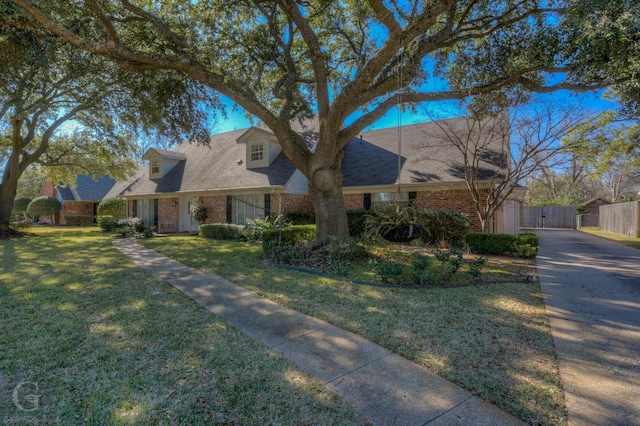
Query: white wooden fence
{"x": 621, "y": 218}
{"x": 553, "y": 217}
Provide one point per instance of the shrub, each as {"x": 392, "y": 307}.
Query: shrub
{"x": 199, "y": 213}
{"x": 21, "y": 225}
{"x": 114, "y": 207}
{"x": 79, "y": 220}
{"x": 381, "y": 220}
{"x": 386, "y": 271}
{"x": 107, "y": 223}
{"x": 357, "y": 221}
{"x": 44, "y": 206}
{"x": 134, "y": 227}
{"x": 276, "y": 239}
{"x": 526, "y": 245}
{"x": 443, "y": 228}
{"x": 253, "y": 231}
{"x": 300, "y": 218}
{"x": 523, "y": 245}
{"x": 344, "y": 249}
{"x": 220, "y": 231}
{"x": 20, "y": 205}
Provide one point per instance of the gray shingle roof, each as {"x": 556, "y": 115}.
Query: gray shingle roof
{"x": 371, "y": 160}
{"x": 426, "y": 156}
{"x": 87, "y": 189}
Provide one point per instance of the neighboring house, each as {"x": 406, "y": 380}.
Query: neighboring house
{"x": 80, "y": 200}
{"x": 591, "y": 214}
{"x": 243, "y": 175}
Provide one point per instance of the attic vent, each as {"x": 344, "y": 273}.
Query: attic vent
{"x": 239, "y": 161}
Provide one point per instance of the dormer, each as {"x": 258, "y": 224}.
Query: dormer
{"x": 262, "y": 147}
{"x": 161, "y": 161}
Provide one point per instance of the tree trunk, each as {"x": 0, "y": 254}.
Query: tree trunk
{"x": 325, "y": 189}
{"x": 7, "y": 198}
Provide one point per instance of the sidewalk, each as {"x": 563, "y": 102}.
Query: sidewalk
{"x": 383, "y": 387}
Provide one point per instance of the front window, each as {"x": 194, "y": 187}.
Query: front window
{"x": 257, "y": 152}
{"x": 385, "y": 198}
{"x": 247, "y": 208}
{"x": 147, "y": 210}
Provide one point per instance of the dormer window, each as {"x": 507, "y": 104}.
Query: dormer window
{"x": 257, "y": 152}
{"x": 155, "y": 167}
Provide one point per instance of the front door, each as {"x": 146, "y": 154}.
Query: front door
{"x": 187, "y": 222}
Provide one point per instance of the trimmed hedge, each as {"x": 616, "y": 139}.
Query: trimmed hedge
{"x": 79, "y": 220}
{"x": 115, "y": 207}
{"x": 107, "y": 223}
{"x": 523, "y": 245}
{"x": 357, "y": 222}
{"x": 443, "y": 226}
{"x": 289, "y": 236}
{"x": 20, "y": 205}
{"x": 220, "y": 231}
{"x": 300, "y": 218}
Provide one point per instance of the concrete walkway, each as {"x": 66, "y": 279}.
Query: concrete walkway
{"x": 591, "y": 288}
{"x": 385, "y": 388}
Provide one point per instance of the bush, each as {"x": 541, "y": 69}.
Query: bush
{"x": 44, "y": 206}
{"x": 381, "y": 220}
{"x": 275, "y": 239}
{"x": 199, "y": 213}
{"x": 220, "y": 231}
{"x": 253, "y": 231}
{"x": 357, "y": 221}
{"x": 107, "y": 223}
{"x": 134, "y": 227}
{"x": 300, "y": 218}
{"x": 443, "y": 228}
{"x": 387, "y": 271}
{"x": 79, "y": 220}
{"x": 523, "y": 245}
{"x": 114, "y": 207}
{"x": 20, "y": 205}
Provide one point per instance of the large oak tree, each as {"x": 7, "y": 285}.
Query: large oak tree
{"x": 70, "y": 112}
{"x": 348, "y": 62}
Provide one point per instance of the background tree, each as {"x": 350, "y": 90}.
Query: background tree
{"x": 349, "y": 62}
{"x": 71, "y": 112}
{"x": 115, "y": 207}
{"x": 499, "y": 151}
{"x": 44, "y": 206}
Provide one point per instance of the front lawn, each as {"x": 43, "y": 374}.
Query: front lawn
{"x": 86, "y": 337}
{"x": 493, "y": 339}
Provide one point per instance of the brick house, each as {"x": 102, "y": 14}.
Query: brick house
{"x": 79, "y": 200}
{"x": 243, "y": 175}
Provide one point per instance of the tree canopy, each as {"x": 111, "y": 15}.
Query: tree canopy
{"x": 349, "y": 62}
{"x": 72, "y": 112}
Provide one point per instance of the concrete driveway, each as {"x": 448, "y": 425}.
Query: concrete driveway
{"x": 591, "y": 288}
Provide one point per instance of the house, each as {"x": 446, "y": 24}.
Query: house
{"x": 243, "y": 175}
{"x": 591, "y": 210}
{"x": 79, "y": 201}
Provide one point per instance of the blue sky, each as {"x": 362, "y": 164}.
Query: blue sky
{"x": 236, "y": 120}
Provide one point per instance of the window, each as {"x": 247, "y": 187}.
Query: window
{"x": 155, "y": 167}
{"x": 257, "y": 152}
{"x": 246, "y": 208}
{"x": 385, "y": 198}
{"x": 147, "y": 210}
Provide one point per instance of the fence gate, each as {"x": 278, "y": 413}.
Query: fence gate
{"x": 553, "y": 217}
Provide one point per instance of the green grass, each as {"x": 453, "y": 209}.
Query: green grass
{"x": 493, "y": 339}
{"x": 631, "y": 242}
{"x": 105, "y": 343}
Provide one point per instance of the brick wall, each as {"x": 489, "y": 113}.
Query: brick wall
{"x": 168, "y": 214}
{"x": 293, "y": 203}
{"x": 459, "y": 200}
{"x": 216, "y": 208}
{"x": 353, "y": 201}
